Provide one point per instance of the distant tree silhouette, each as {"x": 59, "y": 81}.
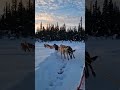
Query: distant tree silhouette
{"x": 103, "y": 22}
{"x": 55, "y": 32}
{"x": 18, "y": 19}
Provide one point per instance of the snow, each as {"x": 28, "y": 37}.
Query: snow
{"x": 12, "y": 57}
{"x": 106, "y": 66}
{"x": 54, "y": 73}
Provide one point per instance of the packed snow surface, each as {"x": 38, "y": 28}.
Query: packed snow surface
{"x": 106, "y": 66}
{"x": 15, "y": 64}
{"x": 54, "y": 73}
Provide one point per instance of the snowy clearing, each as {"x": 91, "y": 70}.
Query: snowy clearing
{"x": 54, "y": 73}
{"x": 15, "y": 63}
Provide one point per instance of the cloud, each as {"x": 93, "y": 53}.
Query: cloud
{"x": 47, "y": 18}
{"x": 44, "y": 17}
{"x": 56, "y": 4}
{"x": 61, "y": 11}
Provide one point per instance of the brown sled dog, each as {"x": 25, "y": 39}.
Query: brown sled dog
{"x": 66, "y": 51}
{"x": 25, "y": 47}
{"x": 31, "y": 46}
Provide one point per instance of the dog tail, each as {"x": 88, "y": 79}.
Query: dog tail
{"x": 94, "y": 58}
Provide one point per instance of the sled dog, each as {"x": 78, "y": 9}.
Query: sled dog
{"x": 66, "y": 51}
{"x": 48, "y": 46}
{"x": 25, "y": 47}
{"x": 31, "y": 46}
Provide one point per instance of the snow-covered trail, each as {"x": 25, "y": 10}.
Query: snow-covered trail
{"x": 40, "y": 54}
{"x": 54, "y": 73}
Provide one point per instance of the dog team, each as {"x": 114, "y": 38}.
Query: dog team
{"x": 64, "y": 50}
{"x": 27, "y": 46}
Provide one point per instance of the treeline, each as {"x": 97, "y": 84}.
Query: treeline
{"x": 103, "y": 21}
{"x": 53, "y": 32}
{"x": 18, "y": 19}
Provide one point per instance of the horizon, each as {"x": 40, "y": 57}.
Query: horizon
{"x": 58, "y": 25}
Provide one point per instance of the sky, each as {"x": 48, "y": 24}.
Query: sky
{"x": 61, "y": 11}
